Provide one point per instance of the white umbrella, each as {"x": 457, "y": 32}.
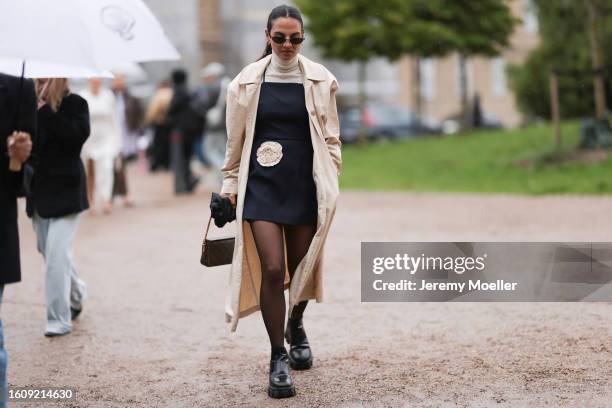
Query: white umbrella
{"x": 93, "y": 34}
{"x": 130, "y": 70}
{"x": 41, "y": 69}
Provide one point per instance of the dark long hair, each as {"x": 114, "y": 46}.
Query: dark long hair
{"x": 281, "y": 11}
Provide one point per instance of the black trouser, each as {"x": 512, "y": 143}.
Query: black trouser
{"x": 181, "y": 150}
{"x": 160, "y": 149}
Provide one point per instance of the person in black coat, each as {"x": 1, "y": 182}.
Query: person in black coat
{"x": 187, "y": 125}
{"x": 12, "y": 119}
{"x": 59, "y": 194}
{"x": 18, "y": 113}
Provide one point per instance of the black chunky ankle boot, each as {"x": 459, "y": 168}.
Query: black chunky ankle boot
{"x": 300, "y": 355}
{"x": 281, "y": 384}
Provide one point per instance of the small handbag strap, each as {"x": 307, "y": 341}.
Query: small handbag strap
{"x": 207, "y": 227}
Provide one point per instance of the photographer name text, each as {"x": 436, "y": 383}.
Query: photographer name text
{"x": 412, "y": 265}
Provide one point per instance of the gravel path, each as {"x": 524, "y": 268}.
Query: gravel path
{"x": 152, "y": 333}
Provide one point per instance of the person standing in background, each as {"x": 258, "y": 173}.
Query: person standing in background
{"x": 57, "y": 196}
{"x": 204, "y": 98}
{"x": 17, "y": 131}
{"x": 156, "y": 116}
{"x": 103, "y": 145}
{"x": 187, "y": 124}
{"x": 215, "y": 134}
{"x": 129, "y": 113}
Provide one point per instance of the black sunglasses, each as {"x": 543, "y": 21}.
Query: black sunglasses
{"x": 293, "y": 40}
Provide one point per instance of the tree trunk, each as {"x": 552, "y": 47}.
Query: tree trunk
{"x": 596, "y": 54}
{"x": 463, "y": 86}
{"x": 554, "y": 105}
{"x": 361, "y": 78}
{"x": 418, "y": 97}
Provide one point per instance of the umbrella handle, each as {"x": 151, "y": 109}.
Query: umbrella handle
{"x": 18, "y": 122}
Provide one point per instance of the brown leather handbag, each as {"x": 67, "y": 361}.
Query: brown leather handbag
{"x": 217, "y": 251}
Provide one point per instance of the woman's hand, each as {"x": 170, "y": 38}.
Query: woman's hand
{"x": 232, "y": 197}
{"x": 19, "y": 146}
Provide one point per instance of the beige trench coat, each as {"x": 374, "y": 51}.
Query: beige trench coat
{"x": 320, "y": 88}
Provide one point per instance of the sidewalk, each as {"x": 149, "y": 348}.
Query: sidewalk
{"x": 153, "y": 332}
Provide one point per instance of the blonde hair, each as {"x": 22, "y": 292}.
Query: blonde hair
{"x": 52, "y": 91}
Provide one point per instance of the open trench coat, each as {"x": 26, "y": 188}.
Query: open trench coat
{"x": 320, "y": 88}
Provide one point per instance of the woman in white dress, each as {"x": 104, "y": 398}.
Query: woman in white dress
{"x": 103, "y": 145}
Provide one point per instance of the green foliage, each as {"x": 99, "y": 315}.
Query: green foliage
{"x": 564, "y": 31}
{"x": 517, "y": 161}
{"x": 357, "y": 30}
{"x": 480, "y": 27}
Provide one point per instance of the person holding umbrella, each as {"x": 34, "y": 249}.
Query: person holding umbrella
{"x": 17, "y": 130}
{"x": 58, "y": 195}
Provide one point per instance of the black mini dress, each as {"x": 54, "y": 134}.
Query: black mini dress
{"x": 281, "y": 187}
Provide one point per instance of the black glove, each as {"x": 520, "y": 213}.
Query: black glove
{"x": 222, "y": 210}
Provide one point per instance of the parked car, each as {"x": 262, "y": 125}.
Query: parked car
{"x": 383, "y": 121}
{"x": 452, "y": 124}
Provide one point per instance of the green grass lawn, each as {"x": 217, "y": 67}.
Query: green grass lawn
{"x": 512, "y": 161}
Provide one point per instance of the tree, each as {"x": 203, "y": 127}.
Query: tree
{"x": 593, "y": 8}
{"x": 566, "y": 33}
{"x": 358, "y": 30}
{"x": 480, "y": 27}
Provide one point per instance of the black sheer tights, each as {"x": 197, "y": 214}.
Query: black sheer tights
{"x": 269, "y": 242}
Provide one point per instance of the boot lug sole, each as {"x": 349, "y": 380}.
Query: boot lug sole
{"x": 278, "y": 392}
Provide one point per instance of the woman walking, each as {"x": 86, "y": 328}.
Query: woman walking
{"x": 103, "y": 147}
{"x": 281, "y": 172}
{"x": 129, "y": 115}
{"x": 58, "y": 195}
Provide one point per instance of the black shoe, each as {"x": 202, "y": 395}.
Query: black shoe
{"x": 281, "y": 384}
{"x": 74, "y": 313}
{"x": 300, "y": 355}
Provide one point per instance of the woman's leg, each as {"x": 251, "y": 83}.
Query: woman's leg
{"x": 104, "y": 176}
{"x": 3, "y": 364}
{"x": 58, "y": 270}
{"x": 298, "y": 241}
{"x": 78, "y": 287}
{"x": 269, "y": 242}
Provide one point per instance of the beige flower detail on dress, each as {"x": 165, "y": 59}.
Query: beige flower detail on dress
{"x": 269, "y": 153}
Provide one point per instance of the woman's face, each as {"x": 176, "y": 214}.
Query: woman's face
{"x": 285, "y": 27}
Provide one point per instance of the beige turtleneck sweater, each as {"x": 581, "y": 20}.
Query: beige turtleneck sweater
{"x": 284, "y": 71}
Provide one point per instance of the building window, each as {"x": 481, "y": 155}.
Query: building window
{"x": 427, "y": 68}
{"x": 498, "y": 77}
{"x": 530, "y": 17}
